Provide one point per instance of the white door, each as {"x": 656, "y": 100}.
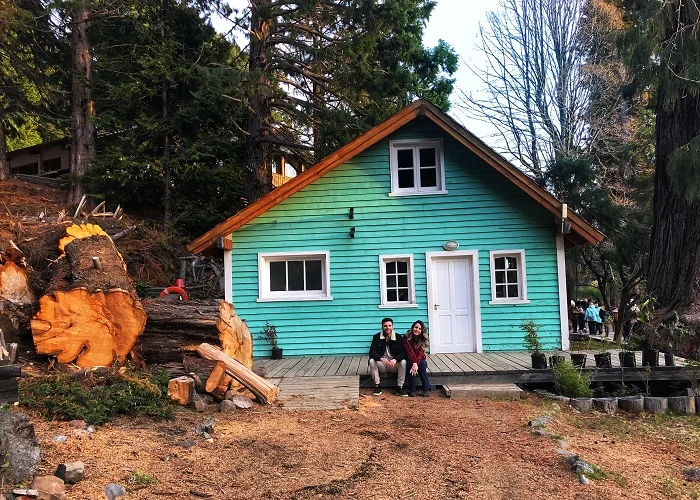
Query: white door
{"x": 452, "y": 327}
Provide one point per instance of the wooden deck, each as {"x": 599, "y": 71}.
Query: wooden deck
{"x": 319, "y": 393}
{"x": 492, "y": 367}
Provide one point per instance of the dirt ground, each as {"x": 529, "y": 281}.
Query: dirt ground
{"x": 390, "y": 448}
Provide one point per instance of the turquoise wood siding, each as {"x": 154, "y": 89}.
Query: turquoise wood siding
{"x": 482, "y": 211}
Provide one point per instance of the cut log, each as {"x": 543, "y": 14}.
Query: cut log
{"x": 216, "y": 377}
{"x": 266, "y": 391}
{"x": 17, "y": 299}
{"x": 582, "y": 404}
{"x": 682, "y": 405}
{"x": 173, "y": 325}
{"x": 606, "y": 405}
{"x": 655, "y": 405}
{"x": 181, "y": 389}
{"x": 631, "y": 404}
{"x": 89, "y": 316}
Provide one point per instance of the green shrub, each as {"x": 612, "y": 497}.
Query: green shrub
{"x": 569, "y": 382}
{"x": 98, "y": 397}
{"x": 137, "y": 480}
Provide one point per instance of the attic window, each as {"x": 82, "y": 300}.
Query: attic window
{"x": 416, "y": 167}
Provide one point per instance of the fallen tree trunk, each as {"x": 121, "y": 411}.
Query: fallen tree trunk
{"x": 266, "y": 391}
{"x": 17, "y": 299}
{"x": 172, "y": 325}
{"x": 90, "y": 314}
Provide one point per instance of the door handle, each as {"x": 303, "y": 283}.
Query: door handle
{"x": 436, "y": 306}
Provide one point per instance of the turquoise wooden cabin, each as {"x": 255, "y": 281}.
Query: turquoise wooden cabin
{"x": 415, "y": 219}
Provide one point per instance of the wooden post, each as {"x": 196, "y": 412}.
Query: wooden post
{"x": 655, "y": 405}
{"x": 631, "y": 404}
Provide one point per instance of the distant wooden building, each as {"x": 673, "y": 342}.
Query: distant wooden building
{"x": 49, "y": 159}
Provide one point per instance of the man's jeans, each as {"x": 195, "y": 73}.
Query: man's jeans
{"x": 422, "y": 372}
{"x": 377, "y": 367}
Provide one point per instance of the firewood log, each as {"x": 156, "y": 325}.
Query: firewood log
{"x": 216, "y": 377}
{"x": 90, "y": 315}
{"x": 181, "y": 389}
{"x": 266, "y": 391}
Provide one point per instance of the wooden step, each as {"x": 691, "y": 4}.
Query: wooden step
{"x": 474, "y": 391}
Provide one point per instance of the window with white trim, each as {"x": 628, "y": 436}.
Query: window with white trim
{"x": 508, "y": 282}
{"x": 294, "y": 276}
{"x": 397, "y": 285}
{"x": 417, "y": 167}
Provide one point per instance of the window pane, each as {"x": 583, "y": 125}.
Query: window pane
{"x": 428, "y": 177}
{"x": 513, "y": 291}
{"x": 512, "y": 263}
{"x": 405, "y": 158}
{"x": 278, "y": 276}
{"x": 500, "y": 277}
{"x": 391, "y": 280}
{"x": 314, "y": 280}
{"x": 295, "y": 269}
{"x": 427, "y": 157}
{"x": 500, "y": 262}
{"x": 403, "y": 280}
{"x": 402, "y": 266}
{"x": 391, "y": 295}
{"x": 406, "y": 178}
{"x": 391, "y": 267}
{"x": 403, "y": 294}
{"x": 512, "y": 277}
{"x": 500, "y": 291}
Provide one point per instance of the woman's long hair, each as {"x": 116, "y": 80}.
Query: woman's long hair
{"x": 423, "y": 340}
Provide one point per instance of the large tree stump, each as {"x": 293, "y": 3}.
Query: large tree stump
{"x": 682, "y": 405}
{"x": 17, "y": 299}
{"x": 90, "y": 314}
{"x": 631, "y": 404}
{"x": 606, "y": 405}
{"x": 655, "y": 405}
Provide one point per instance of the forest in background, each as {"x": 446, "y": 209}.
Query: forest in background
{"x": 597, "y": 100}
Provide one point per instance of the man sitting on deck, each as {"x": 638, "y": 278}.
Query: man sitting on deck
{"x": 386, "y": 354}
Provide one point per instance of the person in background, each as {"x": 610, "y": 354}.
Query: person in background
{"x": 415, "y": 343}
{"x": 598, "y": 321}
{"x": 573, "y": 316}
{"x": 592, "y": 318}
{"x": 387, "y": 354}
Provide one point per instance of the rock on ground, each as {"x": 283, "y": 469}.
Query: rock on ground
{"x": 49, "y": 488}
{"x": 18, "y": 446}
{"x": 692, "y": 474}
{"x": 70, "y": 472}
{"x": 227, "y": 406}
{"x": 114, "y": 491}
{"x": 242, "y": 402}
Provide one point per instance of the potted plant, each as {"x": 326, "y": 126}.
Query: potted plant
{"x": 532, "y": 344}
{"x": 555, "y": 359}
{"x": 269, "y": 334}
{"x": 602, "y": 358}
{"x": 578, "y": 359}
{"x": 627, "y": 359}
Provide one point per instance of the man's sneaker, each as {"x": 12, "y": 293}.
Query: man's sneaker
{"x": 402, "y": 393}
{"x": 425, "y": 393}
{"x": 412, "y": 394}
{"x": 377, "y": 390}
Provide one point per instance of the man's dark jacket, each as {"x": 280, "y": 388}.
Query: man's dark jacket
{"x": 378, "y": 347}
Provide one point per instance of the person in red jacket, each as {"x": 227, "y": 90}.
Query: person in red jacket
{"x": 415, "y": 343}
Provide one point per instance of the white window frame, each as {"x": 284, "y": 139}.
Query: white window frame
{"x": 416, "y": 144}
{"x": 383, "y": 303}
{"x": 522, "y": 277}
{"x": 264, "y": 293}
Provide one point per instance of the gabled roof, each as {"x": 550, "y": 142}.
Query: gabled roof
{"x": 581, "y": 231}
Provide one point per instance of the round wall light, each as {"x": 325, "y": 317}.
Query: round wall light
{"x": 450, "y": 245}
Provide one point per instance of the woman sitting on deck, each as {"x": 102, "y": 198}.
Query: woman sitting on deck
{"x": 416, "y": 342}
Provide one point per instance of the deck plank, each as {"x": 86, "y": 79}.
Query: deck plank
{"x": 343, "y": 369}
{"x": 292, "y": 372}
{"x": 310, "y": 368}
{"x": 333, "y": 367}
{"x": 473, "y": 363}
{"x": 451, "y": 365}
{"x": 281, "y": 366}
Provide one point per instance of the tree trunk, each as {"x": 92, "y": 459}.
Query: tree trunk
{"x": 174, "y": 325}
{"x": 674, "y": 259}
{"x": 4, "y": 162}
{"x": 258, "y": 181}
{"x": 90, "y": 314}
{"x": 82, "y": 127}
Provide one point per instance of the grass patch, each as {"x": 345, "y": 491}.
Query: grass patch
{"x": 600, "y": 474}
{"x": 98, "y": 397}
{"x": 669, "y": 488}
{"x": 137, "y": 480}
